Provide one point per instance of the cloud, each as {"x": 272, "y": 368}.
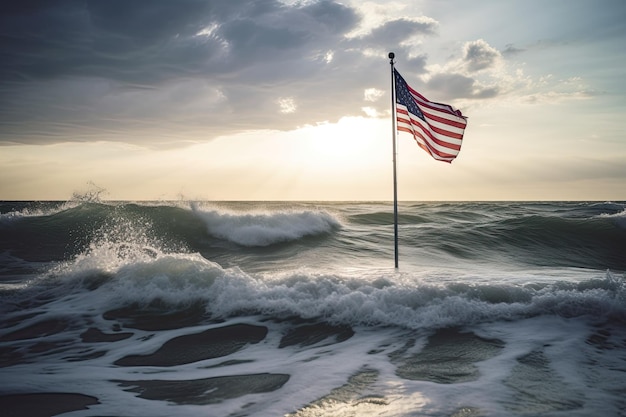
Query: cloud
{"x": 399, "y": 31}
{"x": 148, "y": 42}
{"x": 72, "y": 68}
{"x": 153, "y": 72}
{"x": 479, "y": 55}
{"x": 160, "y": 72}
{"x": 479, "y": 71}
{"x": 372, "y": 94}
{"x": 449, "y": 86}
{"x": 163, "y": 72}
{"x": 287, "y": 105}
{"x": 117, "y": 40}
{"x": 511, "y": 50}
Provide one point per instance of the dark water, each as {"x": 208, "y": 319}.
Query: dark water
{"x": 246, "y": 309}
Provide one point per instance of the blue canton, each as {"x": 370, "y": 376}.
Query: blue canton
{"x": 403, "y": 96}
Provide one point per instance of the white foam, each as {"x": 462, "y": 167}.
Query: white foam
{"x": 382, "y": 309}
{"x": 316, "y": 370}
{"x": 140, "y": 273}
{"x": 37, "y": 211}
{"x": 263, "y": 228}
{"x": 618, "y": 218}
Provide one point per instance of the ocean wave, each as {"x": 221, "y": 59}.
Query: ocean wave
{"x": 266, "y": 228}
{"x": 145, "y": 297}
{"x": 412, "y": 304}
{"x": 11, "y": 212}
{"x": 110, "y": 277}
{"x": 580, "y": 235}
{"x": 608, "y": 207}
{"x": 618, "y": 218}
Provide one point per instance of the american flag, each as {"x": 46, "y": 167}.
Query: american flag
{"x": 437, "y": 128}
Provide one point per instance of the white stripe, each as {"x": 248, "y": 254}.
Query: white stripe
{"x": 443, "y": 138}
{"x": 431, "y": 144}
{"x": 434, "y": 155}
{"x": 444, "y": 107}
{"x": 426, "y": 128}
{"x": 440, "y": 125}
{"x": 444, "y": 115}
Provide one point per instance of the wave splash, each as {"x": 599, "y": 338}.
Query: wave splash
{"x": 118, "y": 276}
{"x": 266, "y": 228}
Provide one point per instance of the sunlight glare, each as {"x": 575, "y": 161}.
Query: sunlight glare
{"x": 344, "y": 146}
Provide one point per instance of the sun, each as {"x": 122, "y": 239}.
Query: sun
{"x": 350, "y": 144}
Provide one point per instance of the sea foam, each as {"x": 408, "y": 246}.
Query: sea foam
{"x": 266, "y": 228}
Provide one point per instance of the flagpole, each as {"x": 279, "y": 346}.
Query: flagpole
{"x": 395, "y": 178}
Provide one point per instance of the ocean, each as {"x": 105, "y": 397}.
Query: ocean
{"x": 295, "y": 309}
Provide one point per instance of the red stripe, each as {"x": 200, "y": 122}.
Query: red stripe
{"x": 446, "y": 133}
{"x": 434, "y": 128}
{"x": 431, "y": 150}
{"x": 433, "y": 105}
{"x": 424, "y": 147}
{"x": 460, "y": 125}
{"x": 438, "y": 141}
{"x": 431, "y": 138}
{"x": 439, "y": 131}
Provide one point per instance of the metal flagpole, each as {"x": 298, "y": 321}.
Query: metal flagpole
{"x": 395, "y": 178}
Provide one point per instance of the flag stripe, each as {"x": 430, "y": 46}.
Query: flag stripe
{"x": 436, "y": 127}
{"x": 432, "y": 105}
{"x": 432, "y": 134}
{"x": 460, "y": 126}
{"x": 451, "y": 132}
{"x": 444, "y": 107}
{"x": 435, "y": 145}
{"x": 438, "y": 155}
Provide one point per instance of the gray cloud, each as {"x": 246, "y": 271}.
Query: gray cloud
{"x": 459, "y": 86}
{"x": 153, "y": 71}
{"x": 148, "y": 41}
{"x": 511, "y": 49}
{"x": 124, "y": 41}
{"x": 479, "y": 55}
{"x": 394, "y": 32}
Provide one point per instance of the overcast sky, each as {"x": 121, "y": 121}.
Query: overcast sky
{"x": 281, "y": 100}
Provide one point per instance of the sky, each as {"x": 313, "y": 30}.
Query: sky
{"x": 290, "y": 100}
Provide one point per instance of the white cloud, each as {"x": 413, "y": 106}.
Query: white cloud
{"x": 372, "y": 94}
{"x": 479, "y": 71}
{"x": 287, "y": 105}
{"x": 374, "y": 14}
{"x": 370, "y": 112}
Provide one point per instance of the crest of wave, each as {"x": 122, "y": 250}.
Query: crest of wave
{"x": 135, "y": 267}
{"x": 618, "y": 218}
{"x": 265, "y": 228}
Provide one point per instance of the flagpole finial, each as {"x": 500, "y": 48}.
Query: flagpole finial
{"x": 391, "y": 56}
